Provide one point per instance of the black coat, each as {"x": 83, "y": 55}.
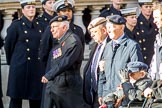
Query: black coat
{"x": 146, "y": 32}
{"x": 65, "y": 82}
{"x": 22, "y": 46}
{"x": 109, "y": 11}
{"x": 48, "y": 42}
{"x": 45, "y": 18}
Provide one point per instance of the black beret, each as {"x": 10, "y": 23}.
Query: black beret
{"x": 116, "y": 19}
{"x": 136, "y": 66}
{"x": 58, "y": 19}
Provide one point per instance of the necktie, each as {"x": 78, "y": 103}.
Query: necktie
{"x": 94, "y": 67}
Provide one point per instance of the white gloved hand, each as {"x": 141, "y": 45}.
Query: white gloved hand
{"x": 132, "y": 81}
{"x": 148, "y": 92}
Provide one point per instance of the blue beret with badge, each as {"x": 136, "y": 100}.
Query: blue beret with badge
{"x": 128, "y": 11}
{"x": 145, "y": 2}
{"x": 116, "y": 19}
{"x": 59, "y": 19}
{"x": 136, "y": 66}
{"x": 63, "y": 4}
{"x": 27, "y": 2}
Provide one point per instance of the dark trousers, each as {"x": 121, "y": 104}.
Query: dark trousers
{"x": 17, "y": 103}
{"x": 95, "y": 102}
{"x": 1, "y": 103}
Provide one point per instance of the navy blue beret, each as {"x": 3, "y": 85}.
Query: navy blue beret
{"x": 116, "y": 19}
{"x": 136, "y": 66}
{"x": 58, "y": 19}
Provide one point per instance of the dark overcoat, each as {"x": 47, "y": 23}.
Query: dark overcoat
{"x": 48, "y": 41}
{"x": 146, "y": 32}
{"x": 45, "y": 18}
{"x": 127, "y": 51}
{"x": 65, "y": 82}
{"x": 87, "y": 92}
{"x": 22, "y": 46}
{"x": 110, "y": 11}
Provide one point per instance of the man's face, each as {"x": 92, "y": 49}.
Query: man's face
{"x": 114, "y": 31}
{"x": 29, "y": 10}
{"x": 57, "y": 30}
{"x": 137, "y": 75}
{"x": 117, "y": 1}
{"x": 48, "y": 5}
{"x": 131, "y": 20}
{"x": 98, "y": 34}
{"x": 67, "y": 12}
{"x": 146, "y": 10}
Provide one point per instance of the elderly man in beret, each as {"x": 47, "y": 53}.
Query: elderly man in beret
{"x": 97, "y": 29}
{"x": 64, "y": 82}
{"x": 61, "y": 7}
{"x": 118, "y": 52}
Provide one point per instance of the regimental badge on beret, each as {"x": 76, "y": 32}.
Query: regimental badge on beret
{"x": 60, "y": 19}
{"x": 66, "y": 3}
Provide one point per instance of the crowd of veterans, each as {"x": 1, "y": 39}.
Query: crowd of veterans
{"x": 45, "y": 54}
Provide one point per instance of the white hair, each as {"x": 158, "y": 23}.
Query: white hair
{"x": 65, "y": 23}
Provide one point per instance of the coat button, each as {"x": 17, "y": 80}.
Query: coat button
{"x": 28, "y": 49}
{"x": 38, "y": 58}
{"x": 140, "y": 41}
{"x": 25, "y": 32}
{"x": 142, "y": 31}
{"x": 137, "y": 33}
{"x": 144, "y": 48}
{"x": 144, "y": 40}
{"x": 145, "y": 57}
{"x": 28, "y": 58}
{"x": 27, "y": 40}
{"x": 141, "y": 22}
{"x": 40, "y": 31}
{"x": 45, "y": 19}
